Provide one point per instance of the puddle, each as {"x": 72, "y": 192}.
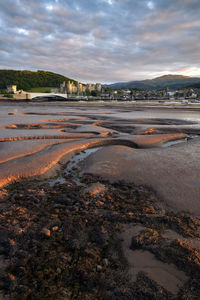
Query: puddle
{"x": 172, "y": 143}
{"x": 166, "y": 275}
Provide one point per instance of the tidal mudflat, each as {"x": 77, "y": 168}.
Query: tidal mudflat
{"x": 99, "y": 202}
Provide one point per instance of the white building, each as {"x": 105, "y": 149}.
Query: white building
{"x": 11, "y": 89}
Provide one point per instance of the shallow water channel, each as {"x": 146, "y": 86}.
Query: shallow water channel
{"x": 73, "y": 167}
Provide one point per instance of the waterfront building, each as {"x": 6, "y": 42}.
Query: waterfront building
{"x": 63, "y": 88}
{"x": 78, "y": 88}
{"x": 89, "y": 87}
{"x": 98, "y": 87}
{"x": 12, "y": 88}
{"x": 71, "y": 88}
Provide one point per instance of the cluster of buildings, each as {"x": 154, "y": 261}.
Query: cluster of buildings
{"x": 187, "y": 94}
{"x": 78, "y": 88}
{"x": 164, "y": 94}
{"x": 18, "y": 94}
{"x": 81, "y": 91}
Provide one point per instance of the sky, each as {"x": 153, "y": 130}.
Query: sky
{"x": 101, "y": 40}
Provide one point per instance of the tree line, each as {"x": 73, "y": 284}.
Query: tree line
{"x": 26, "y": 80}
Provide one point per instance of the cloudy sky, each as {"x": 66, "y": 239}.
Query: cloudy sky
{"x": 101, "y": 40}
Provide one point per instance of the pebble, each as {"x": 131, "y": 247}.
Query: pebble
{"x": 46, "y": 232}
{"x": 99, "y": 268}
{"x": 12, "y": 277}
{"x": 69, "y": 259}
{"x": 105, "y": 261}
{"x": 55, "y": 228}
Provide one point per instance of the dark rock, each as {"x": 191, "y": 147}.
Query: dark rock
{"x": 98, "y": 237}
{"x": 46, "y": 232}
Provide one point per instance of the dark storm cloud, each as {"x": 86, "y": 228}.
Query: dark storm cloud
{"x": 102, "y": 40}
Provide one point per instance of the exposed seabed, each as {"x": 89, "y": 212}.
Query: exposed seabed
{"x": 123, "y": 206}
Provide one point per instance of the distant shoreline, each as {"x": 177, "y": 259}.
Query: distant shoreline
{"x": 74, "y": 102}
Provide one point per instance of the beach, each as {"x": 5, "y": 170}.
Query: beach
{"x": 99, "y": 201}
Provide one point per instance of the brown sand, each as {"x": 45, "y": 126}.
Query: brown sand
{"x": 172, "y": 172}
{"x": 167, "y": 275}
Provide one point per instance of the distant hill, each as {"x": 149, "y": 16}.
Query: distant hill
{"x": 170, "y": 81}
{"x": 26, "y": 79}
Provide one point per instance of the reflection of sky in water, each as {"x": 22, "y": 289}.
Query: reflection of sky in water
{"x": 72, "y": 112}
{"x": 163, "y": 114}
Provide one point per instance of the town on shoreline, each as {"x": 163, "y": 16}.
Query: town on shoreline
{"x": 93, "y": 92}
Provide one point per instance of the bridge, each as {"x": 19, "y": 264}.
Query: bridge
{"x": 51, "y": 95}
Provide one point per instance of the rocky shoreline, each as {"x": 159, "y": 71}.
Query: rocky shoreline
{"x": 66, "y": 242}
{"x": 112, "y": 223}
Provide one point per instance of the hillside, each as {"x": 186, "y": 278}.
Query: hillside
{"x": 26, "y": 79}
{"x": 170, "y": 81}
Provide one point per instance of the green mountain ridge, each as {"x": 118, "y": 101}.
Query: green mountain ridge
{"x": 28, "y": 79}
{"x": 170, "y": 81}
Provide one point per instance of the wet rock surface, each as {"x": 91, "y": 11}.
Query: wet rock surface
{"x": 59, "y": 243}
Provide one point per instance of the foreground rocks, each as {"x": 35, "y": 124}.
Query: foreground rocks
{"x": 64, "y": 243}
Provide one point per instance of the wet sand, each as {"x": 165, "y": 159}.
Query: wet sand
{"x": 173, "y": 172}
{"x": 150, "y": 148}
{"x": 35, "y": 138}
